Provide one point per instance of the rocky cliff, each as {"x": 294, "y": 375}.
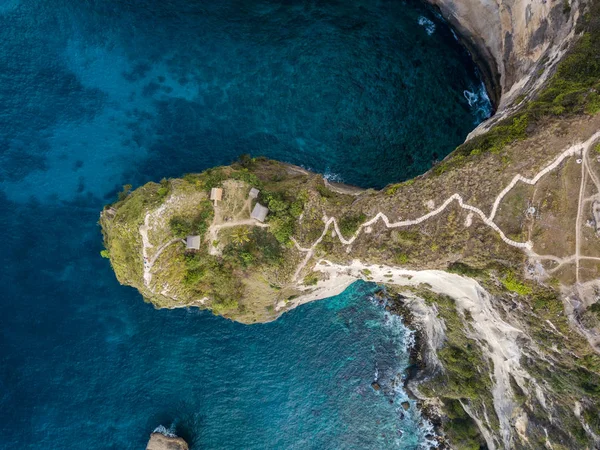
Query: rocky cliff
{"x": 513, "y": 40}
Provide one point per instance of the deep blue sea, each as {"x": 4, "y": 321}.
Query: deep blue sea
{"x": 95, "y": 94}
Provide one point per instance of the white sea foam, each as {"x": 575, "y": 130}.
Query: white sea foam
{"x": 479, "y": 102}
{"x": 334, "y": 177}
{"x": 165, "y": 431}
{"x": 427, "y": 24}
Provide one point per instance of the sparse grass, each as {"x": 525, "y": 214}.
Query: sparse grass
{"x": 182, "y": 226}
{"x": 311, "y": 279}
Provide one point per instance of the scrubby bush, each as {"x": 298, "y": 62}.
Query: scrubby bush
{"x": 511, "y": 283}
{"x": 350, "y": 223}
{"x": 283, "y": 213}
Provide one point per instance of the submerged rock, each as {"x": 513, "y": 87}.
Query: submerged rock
{"x": 159, "y": 441}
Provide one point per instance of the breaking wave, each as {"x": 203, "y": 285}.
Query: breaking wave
{"x": 427, "y": 24}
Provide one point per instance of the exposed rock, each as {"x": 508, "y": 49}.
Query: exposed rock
{"x": 406, "y": 406}
{"x": 375, "y": 385}
{"x": 159, "y": 441}
{"x": 511, "y": 39}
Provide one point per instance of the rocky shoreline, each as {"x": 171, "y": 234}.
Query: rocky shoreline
{"x": 418, "y": 370}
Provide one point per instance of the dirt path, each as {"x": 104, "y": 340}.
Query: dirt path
{"x": 578, "y": 218}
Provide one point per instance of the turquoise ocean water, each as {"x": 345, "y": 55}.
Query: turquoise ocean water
{"x": 96, "y": 94}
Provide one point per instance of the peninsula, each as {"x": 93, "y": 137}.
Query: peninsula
{"x": 495, "y": 251}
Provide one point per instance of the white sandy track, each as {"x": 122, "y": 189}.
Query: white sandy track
{"x": 144, "y": 229}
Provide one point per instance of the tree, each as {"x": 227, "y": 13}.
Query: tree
{"x": 241, "y": 236}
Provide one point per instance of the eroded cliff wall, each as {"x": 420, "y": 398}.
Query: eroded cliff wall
{"x": 515, "y": 41}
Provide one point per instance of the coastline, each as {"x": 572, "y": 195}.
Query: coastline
{"x": 421, "y": 367}
{"x": 484, "y": 61}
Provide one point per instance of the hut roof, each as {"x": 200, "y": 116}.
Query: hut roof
{"x": 259, "y": 212}
{"x": 192, "y": 242}
{"x": 216, "y": 194}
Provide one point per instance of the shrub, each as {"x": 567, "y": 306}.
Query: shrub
{"x": 283, "y": 213}
{"x": 213, "y": 178}
{"x": 350, "y": 223}
{"x": 310, "y": 280}
{"x": 323, "y": 191}
{"x": 466, "y": 270}
{"x": 511, "y": 283}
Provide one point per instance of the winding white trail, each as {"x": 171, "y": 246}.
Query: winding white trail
{"x": 581, "y": 147}
{"x": 146, "y": 242}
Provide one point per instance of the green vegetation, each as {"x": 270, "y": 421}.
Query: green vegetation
{"x": 212, "y": 178}
{"x": 198, "y": 225}
{"x": 401, "y": 258}
{"x": 246, "y": 176}
{"x": 511, "y": 282}
{"x": 391, "y": 190}
{"x": 163, "y": 190}
{"x": 461, "y": 429}
{"x": 105, "y": 254}
{"x": 323, "y": 191}
{"x": 466, "y": 376}
{"x": 284, "y": 211}
{"x": 466, "y": 270}
{"x": 125, "y": 192}
{"x": 597, "y": 148}
{"x": 252, "y": 248}
{"x": 209, "y": 277}
{"x": 310, "y": 280}
{"x": 120, "y": 227}
{"x": 350, "y": 223}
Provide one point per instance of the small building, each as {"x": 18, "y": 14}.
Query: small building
{"x": 192, "y": 243}
{"x": 216, "y": 194}
{"x": 259, "y": 212}
{"x": 253, "y": 193}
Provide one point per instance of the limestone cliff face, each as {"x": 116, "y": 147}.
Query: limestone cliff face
{"x": 515, "y": 41}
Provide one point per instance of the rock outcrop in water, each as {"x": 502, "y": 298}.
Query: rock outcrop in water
{"x": 159, "y": 441}
{"x": 490, "y": 248}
